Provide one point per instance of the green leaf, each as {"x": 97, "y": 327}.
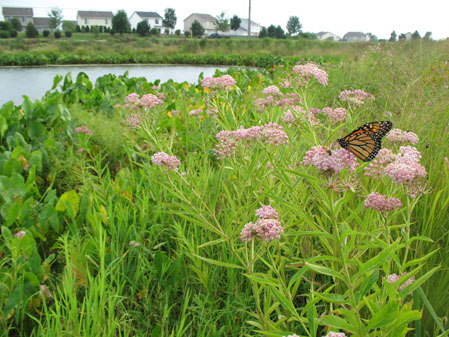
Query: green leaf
{"x": 3, "y": 126}
{"x": 13, "y": 300}
{"x": 430, "y": 309}
{"x": 36, "y": 130}
{"x": 218, "y": 263}
{"x": 332, "y": 298}
{"x": 263, "y": 279}
{"x": 376, "y": 261}
{"x": 68, "y": 199}
{"x": 410, "y": 288}
{"x": 367, "y": 285}
{"x": 13, "y": 212}
{"x": 336, "y": 322}
{"x": 324, "y": 270}
{"x": 286, "y": 303}
{"x": 56, "y": 80}
{"x": 385, "y": 316}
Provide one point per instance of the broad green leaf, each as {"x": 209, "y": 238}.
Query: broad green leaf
{"x": 286, "y": 303}
{"x": 263, "y": 279}
{"x": 3, "y": 126}
{"x": 70, "y": 199}
{"x": 324, "y": 270}
{"x": 385, "y": 316}
{"x": 56, "y": 80}
{"x": 375, "y": 261}
{"x": 367, "y": 284}
{"x": 410, "y": 288}
{"x": 336, "y": 322}
{"x": 332, "y": 298}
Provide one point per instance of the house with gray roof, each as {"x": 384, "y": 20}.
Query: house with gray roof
{"x": 206, "y": 20}
{"x": 327, "y": 36}
{"x": 42, "y": 24}
{"x": 24, "y": 15}
{"x": 243, "y": 29}
{"x": 153, "y": 19}
{"x": 356, "y": 37}
{"x": 94, "y": 18}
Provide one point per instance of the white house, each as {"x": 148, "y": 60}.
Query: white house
{"x": 153, "y": 19}
{"x": 243, "y": 29}
{"x": 356, "y": 37}
{"x": 327, "y": 36}
{"x": 24, "y": 15}
{"x": 206, "y": 20}
{"x": 94, "y": 18}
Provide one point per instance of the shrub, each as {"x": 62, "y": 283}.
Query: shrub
{"x": 31, "y": 31}
{"x": 166, "y": 32}
{"x": 78, "y": 29}
{"x": 57, "y": 34}
{"x": 46, "y": 33}
{"x": 4, "y": 34}
{"x": 16, "y": 24}
{"x": 6, "y": 25}
{"x": 155, "y": 31}
{"x": 68, "y": 33}
{"x": 197, "y": 29}
{"x": 178, "y": 32}
{"x": 143, "y": 28}
{"x": 13, "y": 33}
{"x": 187, "y": 33}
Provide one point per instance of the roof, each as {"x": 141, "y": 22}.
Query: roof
{"x": 148, "y": 14}
{"x": 244, "y": 24}
{"x": 354, "y": 34}
{"x": 94, "y": 14}
{"x": 205, "y": 17}
{"x": 16, "y": 11}
{"x": 42, "y": 22}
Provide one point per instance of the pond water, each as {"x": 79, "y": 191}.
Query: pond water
{"x": 35, "y": 81}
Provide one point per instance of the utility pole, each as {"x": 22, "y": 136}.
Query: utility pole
{"x": 249, "y": 20}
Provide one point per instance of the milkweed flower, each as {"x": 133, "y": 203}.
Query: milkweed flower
{"x": 335, "y": 115}
{"x": 134, "y": 243}
{"x": 267, "y": 212}
{"x": 380, "y": 202}
{"x": 355, "y": 96}
{"x": 393, "y": 278}
{"x": 399, "y": 136}
{"x": 195, "y": 112}
{"x": 273, "y": 133}
{"x": 307, "y": 71}
{"x": 149, "y": 101}
{"x": 271, "y": 90}
{"x": 163, "y": 159}
{"x": 264, "y": 229}
{"x": 20, "y": 234}
{"x": 300, "y": 113}
{"x": 83, "y": 129}
{"x": 222, "y": 82}
{"x": 406, "y": 167}
{"x": 336, "y": 161}
{"x": 134, "y": 120}
{"x": 335, "y": 334}
{"x": 376, "y": 168}
{"x": 132, "y": 98}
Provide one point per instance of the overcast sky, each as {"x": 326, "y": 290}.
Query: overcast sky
{"x": 379, "y": 17}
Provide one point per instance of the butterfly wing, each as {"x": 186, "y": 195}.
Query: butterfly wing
{"x": 362, "y": 144}
{"x": 377, "y": 129}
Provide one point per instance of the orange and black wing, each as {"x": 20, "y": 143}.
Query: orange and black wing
{"x": 362, "y": 144}
{"x": 377, "y": 129}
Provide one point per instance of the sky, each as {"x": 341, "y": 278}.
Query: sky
{"x": 379, "y": 17}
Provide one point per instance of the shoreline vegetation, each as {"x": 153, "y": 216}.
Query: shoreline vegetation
{"x": 226, "y": 207}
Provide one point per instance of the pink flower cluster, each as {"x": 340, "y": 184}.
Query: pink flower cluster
{"x": 20, "y": 234}
{"x": 393, "y": 278}
{"x": 307, "y": 71}
{"x": 406, "y": 167}
{"x": 399, "y": 136}
{"x": 298, "y": 112}
{"x": 266, "y": 228}
{"x": 270, "y": 133}
{"x": 355, "y": 96}
{"x": 380, "y": 202}
{"x": 83, "y": 129}
{"x": 335, "y": 161}
{"x": 149, "y": 101}
{"x": 163, "y": 159}
{"x": 134, "y": 120}
{"x": 271, "y": 90}
{"x": 335, "y": 334}
{"x": 377, "y": 166}
{"x": 335, "y": 115}
{"x": 222, "y": 82}
{"x": 134, "y": 244}
{"x": 195, "y": 112}
{"x": 132, "y": 98}
{"x": 267, "y": 212}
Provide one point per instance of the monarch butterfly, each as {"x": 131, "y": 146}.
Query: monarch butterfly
{"x": 366, "y": 141}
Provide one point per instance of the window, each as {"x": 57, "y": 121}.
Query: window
{"x": 86, "y": 21}
{"x": 156, "y": 21}
{"x": 24, "y": 19}
{"x": 106, "y": 21}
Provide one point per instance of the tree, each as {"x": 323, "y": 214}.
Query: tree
{"x": 222, "y": 23}
{"x": 428, "y": 36}
{"x": 68, "y": 26}
{"x": 416, "y": 36}
{"x": 263, "y": 33}
{"x": 143, "y": 28}
{"x": 197, "y": 29}
{"x": 271, "y": 31}
{"x": 56, "y": 17}
{"x": 235, "y": 23}
{"x": 372, "y": 37}
{"x": 120, "y": 23}
{"x": 293, "y": 25}
{"x": 169, "y": 18}
{"x": 30, "y": 30}
{"x": 402, "y": 37}
{"x": 393, "y": 36}
{"x": 280, "y": 34}
{"x": 16, "y": 24}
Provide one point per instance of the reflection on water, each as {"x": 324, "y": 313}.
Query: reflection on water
{"x": 35, "y": 81}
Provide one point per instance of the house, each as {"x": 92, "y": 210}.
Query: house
{"x": 206, "y": 20}
{"x": 327, "y": 36}
{"x": 42, "y": 24}
{"x": 24, "y": 15}
{"x": 356, "y": 37}
{"x": 153, "y": 19}
{"x": 94, "y": 18}
{"x": 408, "y": 36}
{"x": 243, "y": 29}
